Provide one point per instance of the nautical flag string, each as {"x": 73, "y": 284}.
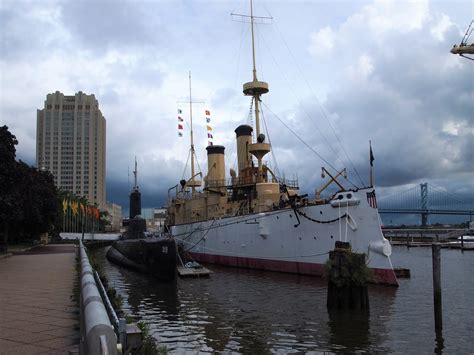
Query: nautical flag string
{"x": 371, "y": 199}
{"x": 209, "y": 128}
{"x": 180, "y": 126}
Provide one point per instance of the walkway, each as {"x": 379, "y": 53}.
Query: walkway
{"x": 37, "y": 312}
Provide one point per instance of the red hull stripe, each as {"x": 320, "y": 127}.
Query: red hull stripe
{"x": 380, "y": 276}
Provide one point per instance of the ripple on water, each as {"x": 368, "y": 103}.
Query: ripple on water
{"x": 248, "y": 311}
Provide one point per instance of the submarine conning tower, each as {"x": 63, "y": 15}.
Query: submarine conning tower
{"x": 137, "y": 224}
{"x": 135, "y": 196}
{"x": 135, "y": 203}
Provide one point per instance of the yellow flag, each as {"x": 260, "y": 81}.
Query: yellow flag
{"x": 209, "y": 128}
{"x": 74, "y": 206}
{"x": 64, "y": 205}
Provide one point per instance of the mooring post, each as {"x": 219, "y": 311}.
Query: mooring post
{"x": 462, "y": 242}
{"x": 347, "y": 279}
{"x": 436, "y": 256}
{"x": 408, "y": 239}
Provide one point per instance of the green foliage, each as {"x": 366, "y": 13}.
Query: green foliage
{"x": 348, "y": 269}
{"x": 148, "y": 343}
{"x": 29, "y": 204}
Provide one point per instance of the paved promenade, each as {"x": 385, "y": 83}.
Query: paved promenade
{"x": 37, "y": 313}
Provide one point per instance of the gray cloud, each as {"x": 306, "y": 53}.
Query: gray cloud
{"x": 393, "y": 82}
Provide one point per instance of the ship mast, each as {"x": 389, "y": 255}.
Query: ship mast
{"x": 255, "y": 89}
{"x": 135, "y": 174}
{"x": 192, "y": 182}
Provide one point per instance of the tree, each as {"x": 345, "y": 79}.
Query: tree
{"x": 10, "y": 211}
{"x": 29, "y": 203}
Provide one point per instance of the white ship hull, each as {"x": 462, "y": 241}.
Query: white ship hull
{"x": 284, "y": 241}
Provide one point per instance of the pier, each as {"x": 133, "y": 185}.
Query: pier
{"x": 424, "y": 237}
{"x": 37, "y": 311}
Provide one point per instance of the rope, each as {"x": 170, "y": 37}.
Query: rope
{"x": 321, "y": 107}
{"x": 186, "y": 166}
{"x": 277, "y": 170}
{"x": 306, "y": 144}
{"x": 204, "y": 236}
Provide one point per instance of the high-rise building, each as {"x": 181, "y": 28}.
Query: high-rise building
{"x": 70, "y": 143}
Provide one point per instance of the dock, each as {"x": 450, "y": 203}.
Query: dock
{"x": 193, "y": 272}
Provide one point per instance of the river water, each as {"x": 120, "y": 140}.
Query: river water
{"x": 245, "y": 311}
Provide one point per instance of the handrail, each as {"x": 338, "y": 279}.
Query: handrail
{"x": 245, "y": 181}
{"x": 120, "y": 325}
{"x": 97, "y": 334}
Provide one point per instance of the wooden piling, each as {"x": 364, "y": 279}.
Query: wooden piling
{"x": 462, "y": 242}
{"x": 436, "y": 256}
{"x": 347, "y": 279}
{"x": 408, "y": 239}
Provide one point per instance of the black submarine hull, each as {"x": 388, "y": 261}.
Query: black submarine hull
{"x": 154, "y": 256}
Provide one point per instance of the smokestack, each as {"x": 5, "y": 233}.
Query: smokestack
{"x": 244, "y": 138}
{"x": 215, "y": 164}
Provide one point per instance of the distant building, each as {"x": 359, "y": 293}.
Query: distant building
{"x": 115, "y": 216}
{"x": 70, "y": 143}
{"x": 155, "y": 218}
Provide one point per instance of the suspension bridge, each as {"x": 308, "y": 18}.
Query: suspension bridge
{"x": 426, "y": 200}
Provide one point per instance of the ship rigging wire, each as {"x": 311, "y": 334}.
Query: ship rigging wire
{"x": 272, "y": 152}
{"x": 306, "y": 144}
{"x": 467, "y": 34}
{"x": 326, "y": 117}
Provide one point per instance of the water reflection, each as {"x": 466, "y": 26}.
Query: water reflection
{"x": 249, "y": 311}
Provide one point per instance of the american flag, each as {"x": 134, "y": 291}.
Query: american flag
{"x": 371, "y": 199}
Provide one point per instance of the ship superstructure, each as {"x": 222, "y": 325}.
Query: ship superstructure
{"x": 255, "y": 219}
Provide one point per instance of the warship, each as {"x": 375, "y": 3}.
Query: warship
{"x": 136, "y": 249}
{"x": 255, "y": 219}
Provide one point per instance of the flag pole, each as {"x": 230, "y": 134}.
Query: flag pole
{"x": 371, "y": 160}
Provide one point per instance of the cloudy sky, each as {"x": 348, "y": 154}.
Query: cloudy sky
{"x": 341, "y": 73}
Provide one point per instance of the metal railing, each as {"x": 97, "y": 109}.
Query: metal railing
{"x": 246, "y": 181}
{"x": 119, "y": 324}
{"x": 97, "y": 334}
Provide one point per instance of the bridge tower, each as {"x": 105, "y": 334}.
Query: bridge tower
{"x": 424, "y": 203}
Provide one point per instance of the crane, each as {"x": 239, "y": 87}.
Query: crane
{"x": 463, "y": 47}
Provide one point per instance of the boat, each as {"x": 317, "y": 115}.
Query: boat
{"x": 255, "y": 219}
{"x": 154, "y": 254}
{"x": 466, "y": 241}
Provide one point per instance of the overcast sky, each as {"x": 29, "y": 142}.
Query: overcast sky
{"x": 341, "y": 73}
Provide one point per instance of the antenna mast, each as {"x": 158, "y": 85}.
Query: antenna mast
{"x": 255, "y": 89}
{"x": 192, "y": 181}
{"x": 135, "y": 174}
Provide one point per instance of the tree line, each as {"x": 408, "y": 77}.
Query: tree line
{"x": 29, "y": 200}
{"x": 30, "y": 203}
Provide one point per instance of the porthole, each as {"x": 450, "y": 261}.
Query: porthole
{"x": 291, "y": 216}
{"x": 320, "y": 212}
{"x": 340, "y": 197}
{"x": 349, "y": 196}
{"x": 278, "y": 217}
{"x": 332, "y": 237}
